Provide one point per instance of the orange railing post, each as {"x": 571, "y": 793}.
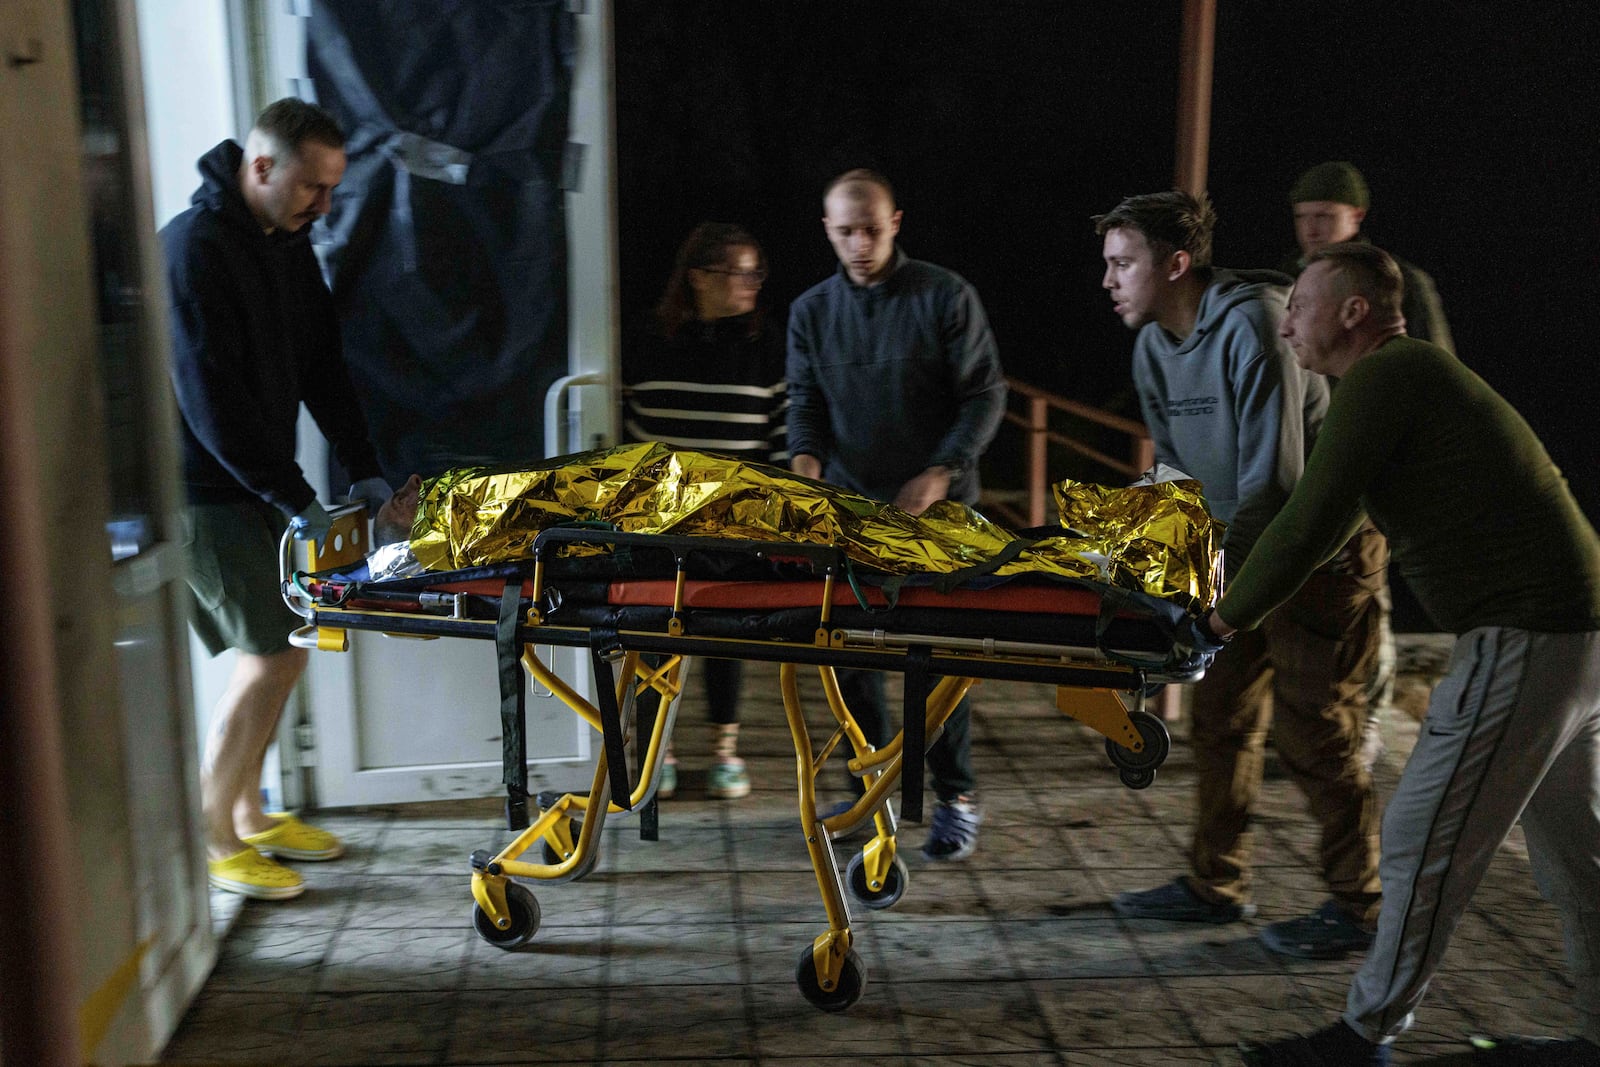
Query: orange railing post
{"x": 1038, "y": 458}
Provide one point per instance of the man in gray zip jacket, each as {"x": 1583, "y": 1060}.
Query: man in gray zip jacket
{"x": 895, "y": 390}
{"x": 1226, "y": 403}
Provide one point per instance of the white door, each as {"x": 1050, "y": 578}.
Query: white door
{"x": 398, "y": 720}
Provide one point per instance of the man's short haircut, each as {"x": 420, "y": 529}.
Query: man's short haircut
{"x": 1368, "y": 271}
{"x": 1172, "y": 221}
{"x": 291, "y": 122}
{"x": 860, "y": 174}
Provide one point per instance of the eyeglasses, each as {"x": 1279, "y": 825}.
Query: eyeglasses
{"x": 749, "y": 277}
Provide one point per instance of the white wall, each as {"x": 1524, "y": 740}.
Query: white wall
{"x": 188, "y": 93}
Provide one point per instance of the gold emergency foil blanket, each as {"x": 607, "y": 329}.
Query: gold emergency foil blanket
{"x": 1161, "y": 535}
{"x": 478, "y": 516}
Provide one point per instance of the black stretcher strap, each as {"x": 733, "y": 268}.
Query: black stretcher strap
{"x": 513, "y": 706}
{"x": 603, "y": 646}
{"x": 945, "y": 583}
{"x": 914, "y": 728}
{"x": 650, "y": 820}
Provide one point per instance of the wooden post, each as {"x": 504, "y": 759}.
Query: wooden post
{"x": 1038, "y": 459}
{"x": 1195, "y": 61}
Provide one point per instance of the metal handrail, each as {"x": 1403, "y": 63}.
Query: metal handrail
{"x": 1041, "y": 403}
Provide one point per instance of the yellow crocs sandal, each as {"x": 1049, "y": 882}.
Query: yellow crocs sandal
{"x": 291, "y": 839}
{"x": 253, "y": 875}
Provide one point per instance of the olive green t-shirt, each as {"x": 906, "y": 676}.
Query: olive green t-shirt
{"x": 1480, "y": 522}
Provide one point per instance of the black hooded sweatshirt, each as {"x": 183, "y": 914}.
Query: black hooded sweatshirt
{"x": 253, "y": 334}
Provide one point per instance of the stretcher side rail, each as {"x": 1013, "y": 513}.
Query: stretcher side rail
{"x": 1052, "y": 665}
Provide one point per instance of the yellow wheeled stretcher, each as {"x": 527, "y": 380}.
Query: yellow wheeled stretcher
{"x": 799, "y": 605}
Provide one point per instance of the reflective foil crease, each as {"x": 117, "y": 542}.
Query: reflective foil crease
{"x": 1157, "y": 539}
{"x": 1160, "y": 536}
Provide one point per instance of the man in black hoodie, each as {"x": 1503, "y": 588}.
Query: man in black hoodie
{"x": 254, "y": 335}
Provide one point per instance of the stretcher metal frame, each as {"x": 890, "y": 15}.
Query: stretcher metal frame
{"x": 1105, "y": 694}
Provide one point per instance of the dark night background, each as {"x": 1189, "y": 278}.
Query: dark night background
{"x": 1005, "y": 124}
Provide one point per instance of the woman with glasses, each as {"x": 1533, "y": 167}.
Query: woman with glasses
{"x": 708, "y": 375}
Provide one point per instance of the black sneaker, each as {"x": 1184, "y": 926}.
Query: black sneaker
{"x": 1514, "y": 1051}
{"x": 1335, "y": 1046}
{"x": 1326, "y": 934}
{"x": 1176, "y": 902}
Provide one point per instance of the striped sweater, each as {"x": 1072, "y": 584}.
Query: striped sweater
{"x": 713, "y": 388}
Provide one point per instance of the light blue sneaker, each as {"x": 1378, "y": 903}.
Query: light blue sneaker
{"x": 667, "y": 784}
{"x": 728, "y": 779}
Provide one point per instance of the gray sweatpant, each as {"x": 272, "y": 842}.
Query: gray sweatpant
{"x": 1513, "y": 730}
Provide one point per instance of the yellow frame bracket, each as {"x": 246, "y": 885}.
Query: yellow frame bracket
{"x": 877, "y": 859}
{"x": 1103, "y": 711}
{"x": 490, "y": 892}
{"x": 827, "y": 953}
{"x": 559, "y": 838}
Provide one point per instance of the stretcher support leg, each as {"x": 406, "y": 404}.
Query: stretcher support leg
{"x": 914, "y": 726}
{"x": 817, "y": 837}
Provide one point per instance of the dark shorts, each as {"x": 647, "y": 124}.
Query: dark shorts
{"x": 233, "y": 577}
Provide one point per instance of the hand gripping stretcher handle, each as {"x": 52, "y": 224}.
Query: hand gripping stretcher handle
{"x": 345, "y": 545}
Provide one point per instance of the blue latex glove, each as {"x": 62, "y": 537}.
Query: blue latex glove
{"x": 373, "y": 492}
{"x": 312, "y": 524}
{"x": 1195, "y": 636}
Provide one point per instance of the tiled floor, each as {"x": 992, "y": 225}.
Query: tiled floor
{"x": 684, "y": 949}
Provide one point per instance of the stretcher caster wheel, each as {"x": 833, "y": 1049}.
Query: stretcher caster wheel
{"x": 1138, "y": 765}
{"x": 1138, "y": 779}
{"x": 885, "y": 896}
{"x": 852, "y": 982}
{"x": 524, "y": 919}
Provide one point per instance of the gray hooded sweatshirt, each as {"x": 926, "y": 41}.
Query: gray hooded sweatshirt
{"x": 1229, "y": 405}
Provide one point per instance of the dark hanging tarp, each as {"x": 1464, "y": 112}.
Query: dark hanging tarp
{"x": 448, "y": 253}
